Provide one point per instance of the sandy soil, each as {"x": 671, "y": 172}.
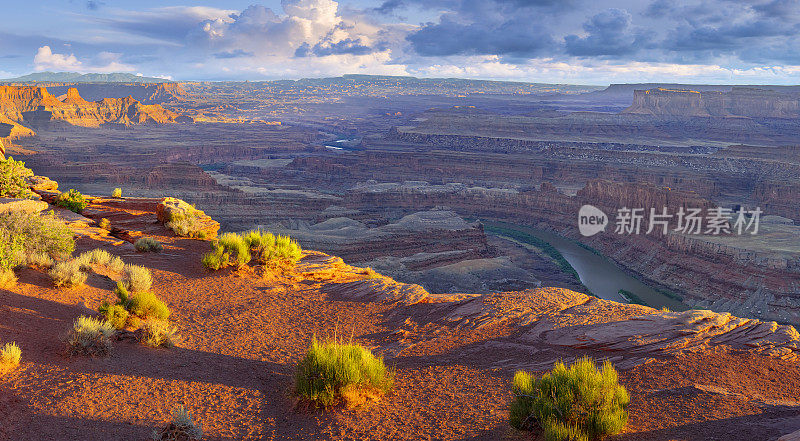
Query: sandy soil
{"x": 243, "y": 334}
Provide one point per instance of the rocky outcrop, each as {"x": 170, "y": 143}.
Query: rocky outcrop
{"x": 738, "y": 102}
{"x": 159, "y": 93}
{"x": 202, "y": 225}
{"x": 20, "y": 104}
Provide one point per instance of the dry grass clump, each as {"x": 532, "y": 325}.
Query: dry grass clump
{"x": 104, "y": 224}
{"x": 7, "y": 278}
{"x": 40, "y": 260}
{"x": 334, "y": 373}
{"x": 10, "y": 355}
{"x": 158, "y": 334}
{"x": 136, "y": 278}
{"x": 237, "y": 250}
{"x": 68, "y": 274}
{"x": 117, "y": 193}
{"x": 570, "y": 404}
{"x": 100, "y": 257}
{"x": 147, "y": 244}
{"x": 89, "y": 336}
{"x": 182, "y": 428}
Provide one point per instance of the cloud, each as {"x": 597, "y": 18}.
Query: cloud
{"x": 238, "y": 53}
{"x": 94, "y": 5}
{"x": 46, "y": 59}
{"x": 608, "y": 33}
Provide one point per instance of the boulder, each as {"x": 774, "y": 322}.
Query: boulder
{"x": 198, "y": 224}
{"x": 42, "y": 183}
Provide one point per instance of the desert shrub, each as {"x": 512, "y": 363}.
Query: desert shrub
{"x": 237, "y": 246}
{"x": 117, "y": 315}
{"x": 239, "y": 249}
{"x": 216, "y": 258}
{"x": 182, "y": 428}
{"x": 89, "y": 336}
{"x": 72, "y": 200}
{"x": 575, "y": 403}
{"x": 158, "y": 333}
{"x": 100, "y": 257}
{"x": 147, "y": 305}
{"x": 104, "y": 224}
{"x": 137, "y": 278}
{"x": 10, "y": 355}
{"x": 12, "y": 179}
{"x": 146, "y": 244}
{"x": 39, "y": 259}
{"x": 68, "y": 274}
{"x": 24, "y": 234}
{"x": 7, "y": 278}
{"x": 187, "y": 223}
{"x": 117, "y": 193}
{"x": 286, "y": 249}
{"x": 337, "y": 373}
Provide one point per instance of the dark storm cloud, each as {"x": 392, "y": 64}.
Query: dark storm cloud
{"x": 516, "y": 28}
{"x": 607, "y": 33}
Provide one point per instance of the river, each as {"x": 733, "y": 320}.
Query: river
{"x": 598, "y": 273}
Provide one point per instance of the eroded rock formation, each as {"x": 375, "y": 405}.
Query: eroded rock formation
{"x": 739, "y": 102}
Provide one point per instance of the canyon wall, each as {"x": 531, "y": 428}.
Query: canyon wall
{"x": 738, "y": 102}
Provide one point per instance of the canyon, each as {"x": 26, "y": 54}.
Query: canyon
{"x": 341, "y": 163}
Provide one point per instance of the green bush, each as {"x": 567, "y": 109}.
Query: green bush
{"x": 72, "y": 200}
{"x": 117, "y": 193}
{"x": 89, "y": 336}
{"x": 10, "y": 355}
{"x": 146, "y": 244}
{"x": 238, "y": 249}
{"x": 117, "y": 315}
{"x": 182, "y": 428}
{"x": 12, "y": 179}
{"x": 68, "y": 274}
{"x": 147, "y": 305}
{"x": 158, "y": 334}
{"x": 24, "y": 234}
{"x": 336, "y": 373}
{"x": 575, "y": 403}
{"x": 137, "y": 278}
{"x": 237, "y": 246}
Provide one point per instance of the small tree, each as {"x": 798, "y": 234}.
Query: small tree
{"x": 570, "y": 404}
{"x": 13, "y": 183}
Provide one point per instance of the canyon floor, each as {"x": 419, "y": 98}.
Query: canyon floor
{"x": 692, "y": 375}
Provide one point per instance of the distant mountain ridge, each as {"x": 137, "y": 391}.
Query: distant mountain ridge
{"x": 75, "y": 77}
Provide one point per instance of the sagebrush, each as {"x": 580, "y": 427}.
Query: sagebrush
{"x": 26, "y": 235}
{"x": 147, "y": 244}
{"x": 89, "y": 336}
{"x": 182, "y": 428}
{"x": 333, "y": 373}
{"x": 72, "y": 200}
{"x": 232, "y": 249}
{"x": 10, "y": 356}
{"x": 573, "y": 403}
{"x": 13, "y": 182}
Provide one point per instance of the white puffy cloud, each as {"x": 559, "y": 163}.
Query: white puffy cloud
{"x": 46, "y": 59}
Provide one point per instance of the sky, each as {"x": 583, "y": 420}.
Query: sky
{"x": 553, "y": 41}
